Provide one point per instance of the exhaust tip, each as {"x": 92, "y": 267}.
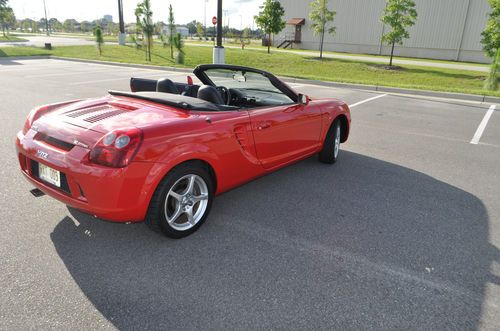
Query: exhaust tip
{"x": 37, "y": 193}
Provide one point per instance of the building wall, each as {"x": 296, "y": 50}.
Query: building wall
{"x": 445, "y": 29}
{"x": 184, "y": 31}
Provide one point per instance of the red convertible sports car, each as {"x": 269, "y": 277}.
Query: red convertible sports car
{"x": 161, "y": 153}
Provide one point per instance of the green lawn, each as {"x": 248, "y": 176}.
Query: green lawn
{"x": 256, "y": 44}
{"x": 10, "y": 38}
{"x": 284, "y": 64}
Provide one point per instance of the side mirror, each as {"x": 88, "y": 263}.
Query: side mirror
{"x": 303, "y": 99}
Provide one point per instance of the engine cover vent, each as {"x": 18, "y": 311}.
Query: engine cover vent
{"x": 96, "y": 113}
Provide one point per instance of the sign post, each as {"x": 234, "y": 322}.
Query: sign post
{"x": 214, "y": 22}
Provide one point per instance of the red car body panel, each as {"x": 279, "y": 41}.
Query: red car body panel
{"x": 238, "y": 145}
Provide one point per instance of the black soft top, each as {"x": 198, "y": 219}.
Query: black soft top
{"x": 174, "y": 100}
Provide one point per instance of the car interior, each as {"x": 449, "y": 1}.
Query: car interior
{"x": 239, "y": 94}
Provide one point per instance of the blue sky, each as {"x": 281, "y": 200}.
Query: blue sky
{"x": 239, "y": 12}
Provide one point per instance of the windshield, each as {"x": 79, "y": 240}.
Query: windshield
{"x": 249, "y": 85}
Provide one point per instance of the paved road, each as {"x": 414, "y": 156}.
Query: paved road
{"x": 39, "y": 41}
{"x": 402, "y": 233}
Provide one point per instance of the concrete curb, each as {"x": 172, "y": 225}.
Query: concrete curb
{"x": 128, "y": 65}
{"x": 34, "y": 57}
{"x": 373, "y": 88}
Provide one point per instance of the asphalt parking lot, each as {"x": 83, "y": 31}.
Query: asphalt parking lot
{"x": 402, "y": 233}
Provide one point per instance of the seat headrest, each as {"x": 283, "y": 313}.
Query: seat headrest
{"x": 165, "y": 85}
{"x": 210, "y": 94}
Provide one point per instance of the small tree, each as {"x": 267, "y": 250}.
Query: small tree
{"x": 192, "y": 27}
{"x": 321, "y": 16}
{"x": 491, "y": 43}
{"x": 164, "y": 40}
{"x": 399, "y": 15}
{"x": 138, "y": 29}
{"x": 179, "y": 47}
{"x": 245, "y": 38}
{"x": 144, "y": 17}
{"x": 199, "y": 30}
{"x": 99, "y": 39}
{"x": 270, "y": 19}
{"x": 7, "y": 19}
{"x": 171, "y": 27}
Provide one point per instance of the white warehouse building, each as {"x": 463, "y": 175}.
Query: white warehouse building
{"x": 445, "y": 29}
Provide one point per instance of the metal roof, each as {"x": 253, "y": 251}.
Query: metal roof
{"x": 296, "y": 21}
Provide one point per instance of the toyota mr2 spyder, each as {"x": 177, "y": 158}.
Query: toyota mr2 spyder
{"x": 161, "y": 152}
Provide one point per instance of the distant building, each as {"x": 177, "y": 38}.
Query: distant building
{"x": 108, "y": 18}
{"x": 184, "y": 31}
{"x": 445, "y": 29}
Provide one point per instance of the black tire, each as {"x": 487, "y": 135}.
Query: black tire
{"x": 329, "y": 154}
{"x": 156, "y": 217}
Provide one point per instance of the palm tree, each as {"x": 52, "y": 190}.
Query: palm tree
{"x": 144, "y": 21}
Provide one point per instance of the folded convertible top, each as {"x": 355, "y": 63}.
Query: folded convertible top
{"x": 174, "y": 100}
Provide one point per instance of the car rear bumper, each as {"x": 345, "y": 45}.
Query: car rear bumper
{"x": 119, "y": 195}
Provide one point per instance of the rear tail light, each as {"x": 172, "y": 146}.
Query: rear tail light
{"x": 117, "y": 148}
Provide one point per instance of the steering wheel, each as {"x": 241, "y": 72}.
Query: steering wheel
{"x": 225, "y": 93}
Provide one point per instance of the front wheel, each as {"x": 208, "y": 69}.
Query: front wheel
{"x": 182, "y": 201}
{"x": 331, "y": 147}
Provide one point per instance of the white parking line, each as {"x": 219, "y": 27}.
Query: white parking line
{"x": 482, "y": 126}
{"x": 367, "y": 100}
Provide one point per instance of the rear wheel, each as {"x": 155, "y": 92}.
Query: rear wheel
{"x": 182, "y": 201}
{"x": 331, "y": 148}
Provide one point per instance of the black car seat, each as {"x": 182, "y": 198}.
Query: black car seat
{"x": 165, "y": 85}
{"x": 210, "y": 94}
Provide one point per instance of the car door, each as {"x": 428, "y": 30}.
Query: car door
{"x": 285, "y": 133}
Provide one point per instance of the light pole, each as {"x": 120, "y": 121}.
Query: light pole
{"x": 205, "y": 19}
{"x": 46, "y": 20}
{"x": 219, "y": 56}
{"x": 121, "y": 34}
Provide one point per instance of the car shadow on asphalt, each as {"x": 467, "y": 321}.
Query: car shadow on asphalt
{"x": 361, "y": 244}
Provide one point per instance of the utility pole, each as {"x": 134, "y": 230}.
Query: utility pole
{"x": 219, "y": 56}
{"x": 46, "y": 20}
{"x": 205, "y": 19}
{"x": 224, "y": 13}
{"x": 121, "y": 34}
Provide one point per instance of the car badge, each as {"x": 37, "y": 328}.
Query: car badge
{"x": 80, "y": 144}
{"x": 42, "y": 154}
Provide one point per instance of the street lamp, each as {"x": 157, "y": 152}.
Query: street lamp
{"x": 205, "y": 19}
{"x": 46, "y": 21}
{"x": 121, "y": 34}
{"x": 219, "y": 54}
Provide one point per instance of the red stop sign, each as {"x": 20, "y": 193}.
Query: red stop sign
{"x": 214, "y": 20}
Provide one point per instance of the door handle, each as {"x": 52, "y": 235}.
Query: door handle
{"x": 263, "y": 125}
